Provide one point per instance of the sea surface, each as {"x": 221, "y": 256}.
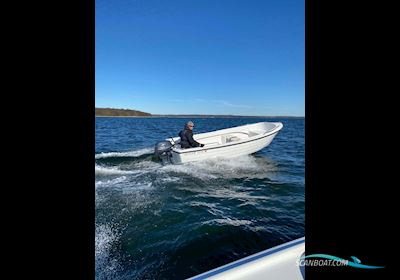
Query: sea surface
{"x": 176, "y": 221}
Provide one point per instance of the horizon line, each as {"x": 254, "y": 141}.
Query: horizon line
{"x": 200, "y": 115}
{"x": 185, "y": 114}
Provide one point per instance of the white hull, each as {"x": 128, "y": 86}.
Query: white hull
{"x": 277, "y": 263}
{"x": 228, "y": 143}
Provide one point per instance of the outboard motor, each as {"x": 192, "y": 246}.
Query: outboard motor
{"x": 163, "y": 151}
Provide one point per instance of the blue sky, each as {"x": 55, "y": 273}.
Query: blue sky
{"x": 242, "y": 57}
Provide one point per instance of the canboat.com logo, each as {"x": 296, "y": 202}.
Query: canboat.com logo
{"x": 328, "y": 260}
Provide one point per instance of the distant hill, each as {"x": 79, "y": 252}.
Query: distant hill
{"x": 110, "y": 112}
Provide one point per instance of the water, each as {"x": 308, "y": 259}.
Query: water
{"x": 175, "y": 221}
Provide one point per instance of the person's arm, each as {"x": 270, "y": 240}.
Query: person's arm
{"x": 192, "y": 141}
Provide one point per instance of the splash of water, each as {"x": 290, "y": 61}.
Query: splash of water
{"x": 106, "y": 265}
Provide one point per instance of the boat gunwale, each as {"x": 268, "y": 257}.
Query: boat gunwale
{"x": 255, "y": 138}
{"x": 249, "y": 259}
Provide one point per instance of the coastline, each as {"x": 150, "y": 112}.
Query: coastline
{"x": 204, "y": 116}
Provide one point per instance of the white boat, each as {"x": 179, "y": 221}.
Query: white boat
{"x": 278, "y": 263}
{"x": 225, "y": 143}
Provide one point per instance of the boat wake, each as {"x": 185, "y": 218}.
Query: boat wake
{"x": 134, "y": 153}
{"x": 139, "y": 162}
{"x": 104, "y": 170}
{"x": 214, "y": 189}
{"x": 235, "y": 168}
{"x": 141, "y": 181}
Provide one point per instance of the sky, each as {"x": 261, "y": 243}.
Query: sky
{"x": 240, "y": 57}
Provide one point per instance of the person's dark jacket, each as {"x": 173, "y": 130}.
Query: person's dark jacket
{"x": 187, "y": 140}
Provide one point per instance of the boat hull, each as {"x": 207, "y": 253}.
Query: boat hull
{"x": 230, "y": 151}
{"x": 227, "y": 143}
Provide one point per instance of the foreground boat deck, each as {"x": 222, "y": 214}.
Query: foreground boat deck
{"x": 277, "y": 263}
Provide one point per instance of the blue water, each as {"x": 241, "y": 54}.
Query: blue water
{"x": 175, "y": 221}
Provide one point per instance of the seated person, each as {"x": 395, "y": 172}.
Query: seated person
{"x": 186, "y": 136}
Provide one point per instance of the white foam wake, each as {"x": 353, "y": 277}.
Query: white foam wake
{"x": 239, "y": 167}
{"x": 101, "y": 170}
{"x": 229, "y": 222}
{"x": 111, "y": 182}
{"x": 135, "y": 153}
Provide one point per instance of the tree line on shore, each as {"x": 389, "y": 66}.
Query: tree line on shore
{"x": 119, "y": 112}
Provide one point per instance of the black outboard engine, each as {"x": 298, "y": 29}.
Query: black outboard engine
{"x": 163, "y": 151}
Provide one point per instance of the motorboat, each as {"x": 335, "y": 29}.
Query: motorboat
{"x": 225, "y": 143}
{"x": 278, "y": 263}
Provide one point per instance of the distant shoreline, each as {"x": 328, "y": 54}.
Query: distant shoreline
{"x": 129, "y": 113}
{"x": 203, "y": 116}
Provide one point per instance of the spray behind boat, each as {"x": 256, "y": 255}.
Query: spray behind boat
{"x": 162, "y": 150}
